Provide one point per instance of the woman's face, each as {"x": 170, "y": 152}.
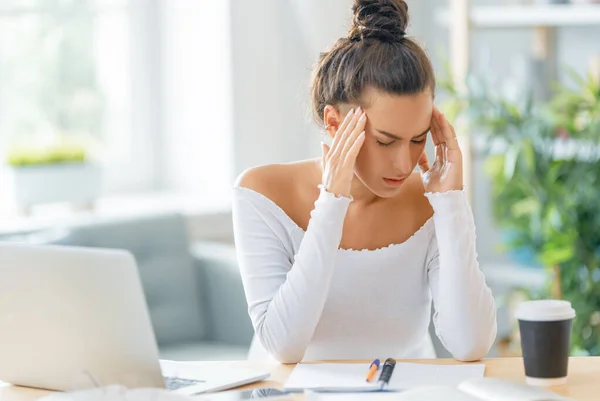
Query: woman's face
{"x": 395, "y": 137}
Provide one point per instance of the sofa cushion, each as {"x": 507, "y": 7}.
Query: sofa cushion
{"x": 224, "y": 291}
{"x": 160, "y": 245}
{"x": 204, "y": 351}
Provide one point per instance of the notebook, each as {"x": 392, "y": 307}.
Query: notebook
{"x": 331, "y": 377}
{"x": 481, "y": 389}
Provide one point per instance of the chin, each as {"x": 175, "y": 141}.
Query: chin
{"x": 384, "y": 191}
{"x": 382, "y": 188}
{"x": 390, "y": 192}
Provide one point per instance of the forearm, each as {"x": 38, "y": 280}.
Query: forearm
{"x": 465, "y": 308}
{"x": 286, "y": 315}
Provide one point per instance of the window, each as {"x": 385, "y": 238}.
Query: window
{"x": 65, "y": 69}
{"x": 147, "y": 82}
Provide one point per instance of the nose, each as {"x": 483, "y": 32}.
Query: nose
{"x": 402, "y": 162}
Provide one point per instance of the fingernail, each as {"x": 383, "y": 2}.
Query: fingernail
{"x": 350, "y": 112}
{"x": 358, "y": 110}
{"x": 362, "y": 118}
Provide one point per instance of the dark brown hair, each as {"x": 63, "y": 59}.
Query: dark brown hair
{"x": 376, "y": 53}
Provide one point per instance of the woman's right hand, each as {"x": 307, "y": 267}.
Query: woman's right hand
{"x": 339, "y": 160}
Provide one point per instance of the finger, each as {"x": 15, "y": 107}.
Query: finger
{"x": 358, "y": 129}
{"x": 440, "y": 154}
{"x": 354, "y": 149}
{"x": 325, "y": 151}
{"x": 423, "y": 163}
{"x": 341, "y": 129}
{"x": 435, "y": 128}
{"x": 448, "y": 133}
{"x": 454, "y": 154}
{"x": 337, "y": 151}
{"x": 454, "y": 137}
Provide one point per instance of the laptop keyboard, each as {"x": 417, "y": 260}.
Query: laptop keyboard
{"x": 174, "y": 383}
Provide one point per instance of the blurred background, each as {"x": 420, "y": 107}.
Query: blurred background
{"x": 123, "y": 123}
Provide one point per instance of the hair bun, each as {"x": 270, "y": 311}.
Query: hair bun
{"x": 384, "y": 20}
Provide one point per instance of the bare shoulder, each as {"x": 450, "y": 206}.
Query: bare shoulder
{"x": 279, "y": 182}
{"x": 261, "y": 178}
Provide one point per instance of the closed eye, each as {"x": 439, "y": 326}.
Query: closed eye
{"x": 423, "y": 137}
{"x": 385, "y": 143}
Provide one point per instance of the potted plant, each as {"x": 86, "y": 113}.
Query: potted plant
{"x": 57, "y": 172}
{"x": 543, "y": 159}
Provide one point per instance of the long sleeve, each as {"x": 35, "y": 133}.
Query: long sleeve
{"x": 285, "y": 298}
{"x": 465, "y": 312}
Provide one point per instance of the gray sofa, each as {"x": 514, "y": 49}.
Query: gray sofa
{"x": 193, "y": 291}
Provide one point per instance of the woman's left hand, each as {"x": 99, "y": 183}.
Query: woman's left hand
{"x": 446, "y": 173}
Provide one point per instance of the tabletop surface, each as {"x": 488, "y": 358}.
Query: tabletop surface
{"x": 583, "y": 379}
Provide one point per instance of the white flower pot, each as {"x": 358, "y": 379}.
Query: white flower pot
{"x": 78, "y": 183}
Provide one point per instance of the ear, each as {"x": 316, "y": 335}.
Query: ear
{"x": 332, "y": 119}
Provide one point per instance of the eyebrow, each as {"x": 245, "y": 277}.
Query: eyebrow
{"x": 397, "y": 137}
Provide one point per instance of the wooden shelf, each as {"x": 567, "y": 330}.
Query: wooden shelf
{"x": 527, "y": 16}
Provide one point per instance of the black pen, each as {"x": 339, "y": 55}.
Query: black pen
{"x": 386, "y": 372}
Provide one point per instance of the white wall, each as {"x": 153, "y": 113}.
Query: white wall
{"x": 196, "y": 82}
{"x": 275, "y": 44}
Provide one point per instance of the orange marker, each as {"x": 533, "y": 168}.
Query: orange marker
{"x": 372, "y": 369}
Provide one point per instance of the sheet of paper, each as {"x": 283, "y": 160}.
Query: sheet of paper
{"x": 329, "y": 376}
{"x": 351, "y": 377}
{"x": 413, "y": 375}
{"x": 421, "y": 394}
{"x": 351, "y": 396}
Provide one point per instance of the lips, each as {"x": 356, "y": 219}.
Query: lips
{"x": 394, "y": 181}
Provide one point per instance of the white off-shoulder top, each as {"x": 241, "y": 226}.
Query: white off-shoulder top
{"x": 309, "y": 299}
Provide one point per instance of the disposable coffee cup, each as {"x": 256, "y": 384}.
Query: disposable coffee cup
{"x": 545, "y": 328}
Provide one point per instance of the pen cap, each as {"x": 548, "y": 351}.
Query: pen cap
{"x": 388, "y": 368}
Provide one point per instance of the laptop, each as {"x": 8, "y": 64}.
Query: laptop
{"x": 73, "y": 318}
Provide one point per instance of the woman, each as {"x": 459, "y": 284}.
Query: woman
{"x": 341, "y": 257}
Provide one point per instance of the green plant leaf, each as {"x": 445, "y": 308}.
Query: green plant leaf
{"x": 556, "y": 256}
{"x": 494, "y": 165}
{"x": 575, "y": 76}
{"x": 61, "y": 152}
{"x": 510, "y": 162}
{"x": 525, "y": 207}
{"x": 528, "y": 156}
